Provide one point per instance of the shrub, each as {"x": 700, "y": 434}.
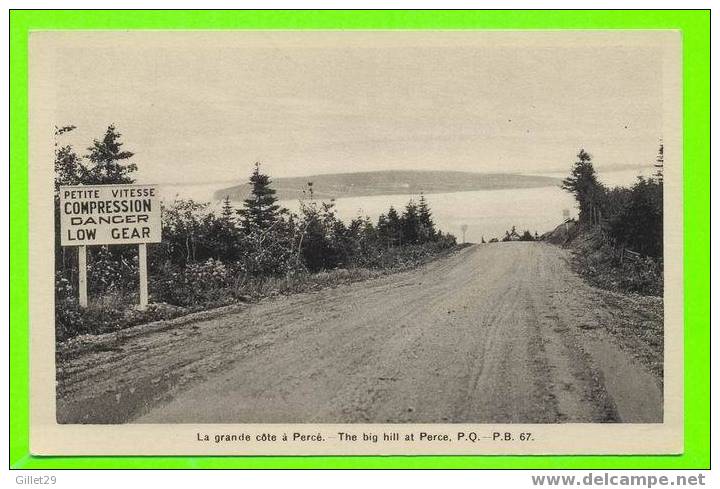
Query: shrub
{"x": 597, "y": 260}
{"x": 643, "y": 275}
{"x": 197, "y": 283}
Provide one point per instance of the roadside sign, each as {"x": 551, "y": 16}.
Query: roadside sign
{"x": 109, "y": 214}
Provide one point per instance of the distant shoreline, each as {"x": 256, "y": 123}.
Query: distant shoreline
{"x": 364, "y": 184}
{"x": 208, "y": 191}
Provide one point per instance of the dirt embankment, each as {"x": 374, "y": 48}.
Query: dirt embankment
{"x": 502, "y": 332}
{"x": 562, "y": 234}
{"x": 605, "y": 263}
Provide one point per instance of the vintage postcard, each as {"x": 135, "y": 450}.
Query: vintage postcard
{"x": 356, "y": 242}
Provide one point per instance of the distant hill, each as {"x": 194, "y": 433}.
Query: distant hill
{"x": 338, "y": 185}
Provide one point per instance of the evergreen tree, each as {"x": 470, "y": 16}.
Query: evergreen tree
{"x": 394, "y": 227}
{"x": 225, "y": 233}
{"x": 426, "y": 231}
{"x": 383, "y": 230}
{"x": 410, "y": 223}
{"x": 69, "y": 168}
{"x": 369, "y": 233}
{"x": 227, "y": 212}
{"x": 583, "y": 184}
{"x": 259, "y": 210}
{"x": 108, "y": 161}
{"x": 640, "y": 224}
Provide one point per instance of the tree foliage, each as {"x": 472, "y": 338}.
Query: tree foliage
{"x": 632, "y": 216}
{"x": 108, "y": 161}
{"x": 639, "y": 221}
{"x": 584, "y": 185}
{"x": 426, "y": 226}
{"x": 69, "y": 168}
{"x": 260, "y": 210}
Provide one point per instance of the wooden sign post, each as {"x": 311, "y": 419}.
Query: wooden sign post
{"x": 110, "y": 215}
{"x": 142, "y": 265}
{"x": 82, "y": 275}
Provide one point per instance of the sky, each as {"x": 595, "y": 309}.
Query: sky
{"x": 203, "y": 107}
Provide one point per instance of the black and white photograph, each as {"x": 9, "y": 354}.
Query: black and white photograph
{"x": 477, "y": 233}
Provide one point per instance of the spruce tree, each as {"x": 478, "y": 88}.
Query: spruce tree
{"x": 584, "y": 185}
{"x": 394, "y": 227}
{"x": 259, "y": 210}
{"x": 410, "y": 223}
{"x": 383, "y": 230}
{"x": 108, "y": 165}
{"x": 227, "y": 211}
{"x": 426, "y": 224}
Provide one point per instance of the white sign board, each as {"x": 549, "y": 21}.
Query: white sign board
{"x": 109, "y": 215}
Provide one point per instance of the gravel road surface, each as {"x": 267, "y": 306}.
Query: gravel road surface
{"x": 494, "y": 333}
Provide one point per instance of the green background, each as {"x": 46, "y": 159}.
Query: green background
{"x": 695, "y": 27}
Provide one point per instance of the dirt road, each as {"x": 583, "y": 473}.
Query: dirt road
{"x": 493, "y": 333}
